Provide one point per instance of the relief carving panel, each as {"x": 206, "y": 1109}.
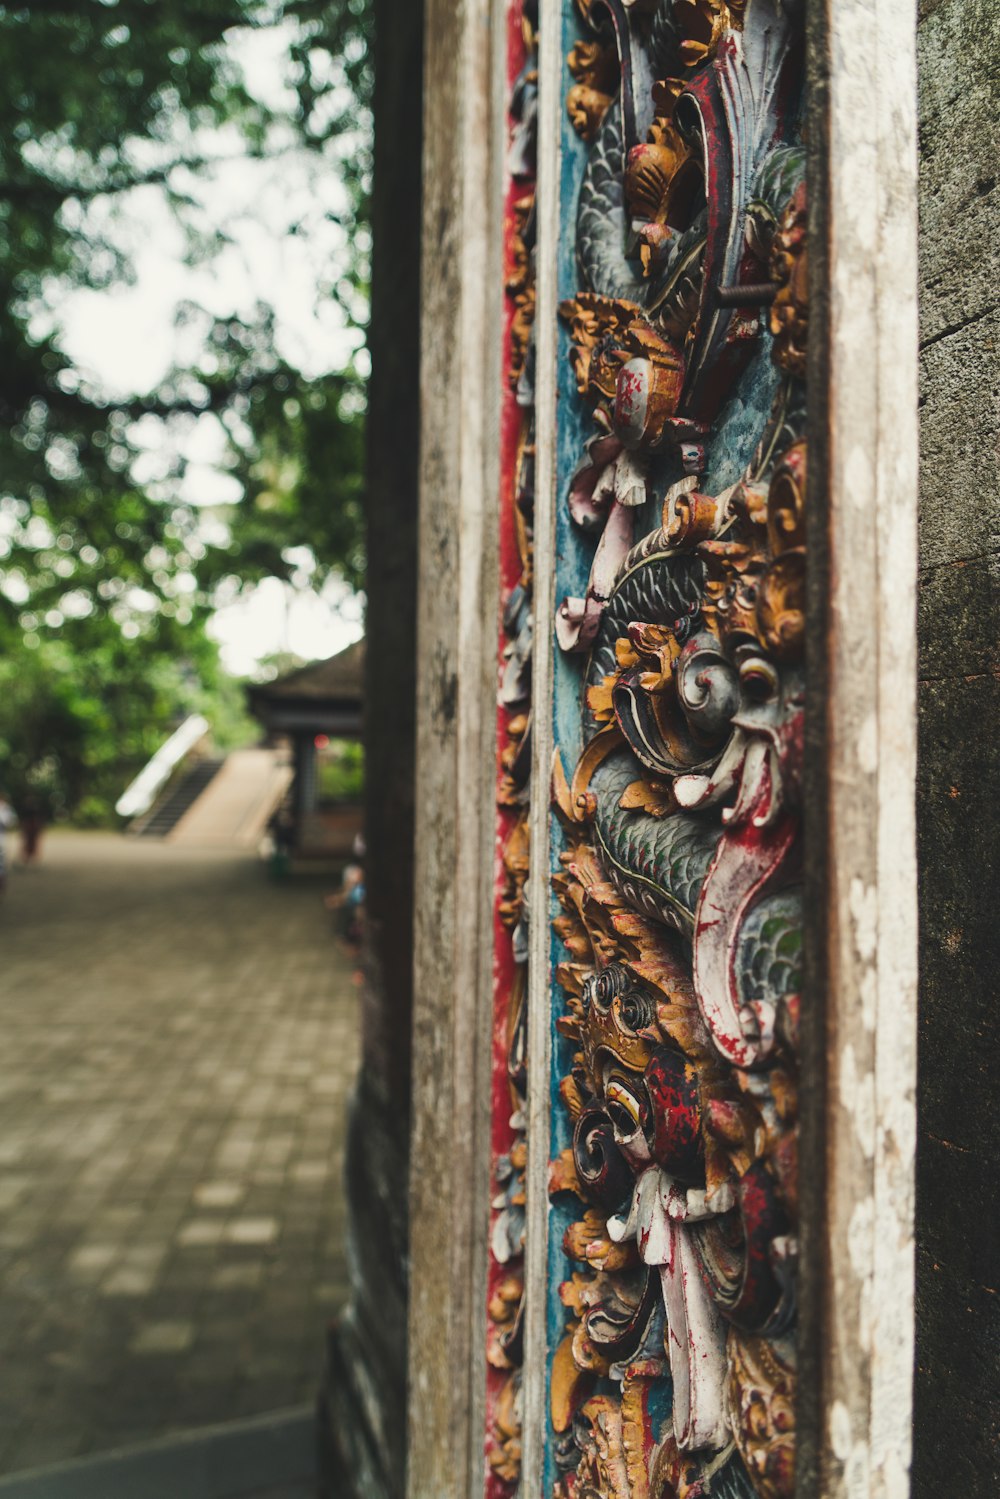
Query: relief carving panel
{"x": 677, "y": 789}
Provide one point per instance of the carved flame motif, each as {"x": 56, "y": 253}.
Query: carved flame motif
{"x": 679, "y": 880}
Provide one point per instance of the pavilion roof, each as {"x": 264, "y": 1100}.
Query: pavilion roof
{"x": 321, "y": 696}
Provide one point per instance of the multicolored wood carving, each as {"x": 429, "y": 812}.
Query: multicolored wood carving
{"x": 679, "y": 725}
{"x": 505, "y": 1277}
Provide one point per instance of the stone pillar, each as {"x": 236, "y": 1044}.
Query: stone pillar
{"x": 659, "y": 832}
{"x": 958, "y": 1152}
{"x": 362, "y": 1404}
{"x": 305, "y": 780}
{"x": 456, "y": 714}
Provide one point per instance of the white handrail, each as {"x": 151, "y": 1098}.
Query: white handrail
{"x": 140, "y": 795}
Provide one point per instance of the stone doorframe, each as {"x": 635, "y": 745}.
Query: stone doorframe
{"x": 858, "y": 1049}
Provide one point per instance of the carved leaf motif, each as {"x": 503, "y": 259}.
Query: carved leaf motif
{"x": 654, "y": 797}
{"x": 703, "y": 24}
{"x": 595, "y": 68}
{"x": 789, "y": 268}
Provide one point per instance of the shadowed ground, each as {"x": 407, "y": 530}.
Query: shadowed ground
{"x": 179, "y": 1038}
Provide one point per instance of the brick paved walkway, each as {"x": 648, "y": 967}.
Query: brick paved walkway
{"x": 178, "y": 1042}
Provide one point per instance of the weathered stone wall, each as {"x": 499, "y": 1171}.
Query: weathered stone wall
{"x": 958, "y": 1207}
{"x": 362, "y": 1406}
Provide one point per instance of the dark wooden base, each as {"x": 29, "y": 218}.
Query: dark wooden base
{"x": 361, "y": 1408}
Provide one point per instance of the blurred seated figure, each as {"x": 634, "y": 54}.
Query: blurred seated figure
{"x": 349, "y": 900}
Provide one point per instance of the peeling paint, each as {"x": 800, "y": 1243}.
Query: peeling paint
{"x": 868, "y": 993}
{"x": 859, "y": 474}
{"x": 867, "y": 745}
{"x": 864, "y": 915}
{"x": 840, "y": 1430}
{"x": 861, "y": 1236}
{"x": 857, "y": 1095}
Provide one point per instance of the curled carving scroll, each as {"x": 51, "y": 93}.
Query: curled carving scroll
{"x": 679, "y": 876}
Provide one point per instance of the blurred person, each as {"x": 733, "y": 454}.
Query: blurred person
{"x": 349, "y": 902}
{"x": 281, "y": 827}
{"x": 30, "y": 825}
{"x": 8, "y": 818}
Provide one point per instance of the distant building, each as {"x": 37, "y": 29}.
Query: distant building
{"x": 313, "y": 708}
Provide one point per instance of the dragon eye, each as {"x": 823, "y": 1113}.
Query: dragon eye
{"x": 685, "y": 624}
{"x": 623, "y": 1109}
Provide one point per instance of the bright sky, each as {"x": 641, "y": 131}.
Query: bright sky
{"x": 282, "y": 246}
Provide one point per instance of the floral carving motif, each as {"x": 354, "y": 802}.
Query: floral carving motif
{"x": 761, "y": 1395}
{"x": 520, "y": 288}
{"x": 505, "y": 1275}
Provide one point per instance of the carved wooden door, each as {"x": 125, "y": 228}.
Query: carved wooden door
{"x": 679, "y": 936}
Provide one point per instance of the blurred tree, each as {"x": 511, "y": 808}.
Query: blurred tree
{"x": 83, "y": 710}
{"x": 106, "y": 579}
{"x": 106, "y": 96}
{"x": 296, "y": 449}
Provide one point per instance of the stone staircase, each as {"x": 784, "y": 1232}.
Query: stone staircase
{"x": 181, "y": 796}
{"x": 234, "y": 805}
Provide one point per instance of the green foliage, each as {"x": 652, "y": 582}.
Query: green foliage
{"x": 82, "y": 711}
{"x": 115, "y": 94}
{"x": 341, "y": 772}
{"x": 107, "y": 580}
{"x": 296, "y": 448}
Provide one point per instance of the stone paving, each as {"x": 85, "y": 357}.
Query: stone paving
{"x": 179, "y": 1041}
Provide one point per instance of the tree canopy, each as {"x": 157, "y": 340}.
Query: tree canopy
{"x": 108, "y": 569}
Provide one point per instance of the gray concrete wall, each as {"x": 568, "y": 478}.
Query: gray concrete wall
{"x": 958, "y": 1204}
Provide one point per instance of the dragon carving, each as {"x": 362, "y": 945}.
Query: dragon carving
{"x": 679, "y": 878}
